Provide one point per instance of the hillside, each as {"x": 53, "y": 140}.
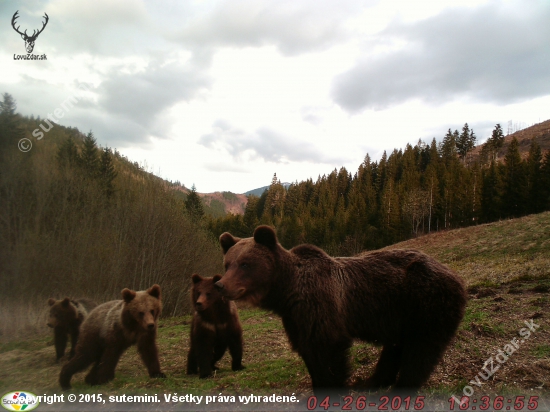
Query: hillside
{"x": 221, "y": 203}
{"x": 540, "y": 132}
{"x": 506, "y": 265}
{"x": 492, "y": 254}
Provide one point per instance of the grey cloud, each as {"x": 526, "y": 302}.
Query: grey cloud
{"x": 143, "y": 96}
{"x": 293, "y": 26}
{"x": 495, "y": 53}
{"x": 264, "y": 143}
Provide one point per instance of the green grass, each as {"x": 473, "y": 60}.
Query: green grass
{"x": 490, "y": 322}
{"x": 541, "y": 351}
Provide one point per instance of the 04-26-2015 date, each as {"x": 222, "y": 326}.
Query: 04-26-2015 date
{"x": 418, "y": 403}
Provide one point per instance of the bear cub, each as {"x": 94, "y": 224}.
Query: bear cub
{"x": 214, "y": 328}
{"x": 66, "y": 316}
{"x": 110, "y": 329}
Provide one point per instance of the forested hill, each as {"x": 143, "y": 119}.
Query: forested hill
{"x": 423, "y": 188}
{"x": 81, "y": 220}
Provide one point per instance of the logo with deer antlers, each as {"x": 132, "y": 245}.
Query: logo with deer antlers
{"x": 29, "y": 40}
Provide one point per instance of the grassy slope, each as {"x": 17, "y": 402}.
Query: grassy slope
{"x": 507, "y": 268}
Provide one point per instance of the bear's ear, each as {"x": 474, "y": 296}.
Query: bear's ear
{"x": 216, "y": 278}
{"x": 196, "y": 278}
{"x": 154, "y": 291}
{"x": 128, "y": 295}
{"x": 227, "y": 240}
{"x": 265, "y": 235}
{"x": 51, "y": 301}
{"x": 65, "y": 302}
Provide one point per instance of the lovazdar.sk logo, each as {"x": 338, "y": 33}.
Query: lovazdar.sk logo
{"x": 19, "y": 401}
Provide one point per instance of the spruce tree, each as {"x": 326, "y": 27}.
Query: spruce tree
{"x": 89, "y": 157}
{"x": 545, "y": 182}
{"x": 67, "y": 154}
{"x": 463, "y": 142}
{"x": 107, "y": 172}
{"x": 193, "y": 205}
{"x": 515, "y": 181}
{"x": 10, "y": 129}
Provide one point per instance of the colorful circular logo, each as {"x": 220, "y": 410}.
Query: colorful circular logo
{"x": 19, "y": 401}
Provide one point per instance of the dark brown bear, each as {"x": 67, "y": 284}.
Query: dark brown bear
{"x": 110, "y": 329}
{"x": 400, "y": 299}
{"x": 215, "y": 327}
{"x": 66, "y": 316}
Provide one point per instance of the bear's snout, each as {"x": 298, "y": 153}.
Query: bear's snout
{"x": 150, "y": 326}
{"x": 219, "y": 286}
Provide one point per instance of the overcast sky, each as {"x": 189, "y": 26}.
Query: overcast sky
{"x": 222, "y": 94}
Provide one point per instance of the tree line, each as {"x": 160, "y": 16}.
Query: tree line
{"x": 418, "y": 190}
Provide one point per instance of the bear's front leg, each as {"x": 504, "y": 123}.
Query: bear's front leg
{"x": 60, "y": 341}
{"x": 192, "y": 365}
{"x": 205, "y": 357}
{"x": 236, "y": 351}
{"x": 327, "y": 363}
{"x": 147, "y": 349}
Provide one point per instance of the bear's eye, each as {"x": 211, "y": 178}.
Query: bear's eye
{"x": 226, "y": 266}
{"x": 141, "y": 314}
{"x": 153, "y": 312}
{"x": 244, "y": 265}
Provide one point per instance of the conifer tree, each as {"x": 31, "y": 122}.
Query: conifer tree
{"x": 535, "y": 189}
{"x": 545, "y": 182}
{"x": 193, "y": 204}
{"x": 10, "y": 129}
{"x": 492, "y": 193}
{"x": 67, "y": 154}
{"x": 89, "y": 157}
{"x": 515, "y": 181}
{"x": 107, "y": 172}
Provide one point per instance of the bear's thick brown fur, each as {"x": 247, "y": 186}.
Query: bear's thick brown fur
{"x": 66, "y": 316}
{"x": 110, "y": 329}
{"x": 403, "y": 300}
{"x": 215, "y": 327}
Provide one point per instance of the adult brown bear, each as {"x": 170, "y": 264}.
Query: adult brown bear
{"x": 110, "y": 329}
{"x": 215, "y": 327}
{"x": 403, "y": 300}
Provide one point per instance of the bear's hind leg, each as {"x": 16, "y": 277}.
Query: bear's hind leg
{"x": 91, "y": 377}
{"x": 76, "y": 364}
{"x": 74, "y": 341}
{"x": 387, "y": 368}
{"x": 107, "y": 365}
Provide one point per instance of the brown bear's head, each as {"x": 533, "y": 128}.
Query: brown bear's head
{"x": 204, "y": 293}
{"x": 249, "y": 265}
{"x": 142, "y": 309}
{"x": 62, "y": 313}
